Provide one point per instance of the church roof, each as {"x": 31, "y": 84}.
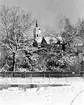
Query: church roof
{"x": 48, "y": 39}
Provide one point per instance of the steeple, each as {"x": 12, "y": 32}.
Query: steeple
{"x": 36, "y": 24}
{"x": 37, "y": 34}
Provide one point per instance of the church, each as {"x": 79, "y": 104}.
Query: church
{"x": 40, "y": 39}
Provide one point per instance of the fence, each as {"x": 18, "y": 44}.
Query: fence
{"x": 41, "y": 74}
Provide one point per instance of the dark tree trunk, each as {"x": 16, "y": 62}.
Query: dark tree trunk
{"x": 13, "y": 68}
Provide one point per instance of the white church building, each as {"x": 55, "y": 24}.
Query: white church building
{"x": 39, "y": 37}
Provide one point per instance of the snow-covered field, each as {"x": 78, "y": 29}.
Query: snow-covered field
{"x": 53, "y": 91}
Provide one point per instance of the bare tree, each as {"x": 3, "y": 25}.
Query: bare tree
{"x": 80, "y": 27}
{"x": 67, "y": 29}
{"x": 15, "y": 24}
{"x": 50, "y": 31}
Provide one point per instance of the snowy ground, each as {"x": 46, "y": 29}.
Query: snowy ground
{"x": 53, "y": 91}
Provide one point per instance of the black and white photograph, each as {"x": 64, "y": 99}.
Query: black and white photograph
{"x": 41, "y": 52}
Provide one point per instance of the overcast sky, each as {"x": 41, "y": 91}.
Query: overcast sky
{"x": 47, "y": 11}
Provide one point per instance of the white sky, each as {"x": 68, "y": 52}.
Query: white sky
{"x": 46, "y": 11}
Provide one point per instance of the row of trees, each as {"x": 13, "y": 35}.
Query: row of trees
{"x": 17, "y": 51}
{"x": 70, "y": 57}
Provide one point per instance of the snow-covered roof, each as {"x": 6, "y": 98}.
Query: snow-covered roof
{"x": 49, "y": 38}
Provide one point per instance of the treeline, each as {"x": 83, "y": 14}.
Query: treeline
{"x": 18, "y": 54}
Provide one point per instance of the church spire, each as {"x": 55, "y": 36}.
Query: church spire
{"x": 36, "y": 24}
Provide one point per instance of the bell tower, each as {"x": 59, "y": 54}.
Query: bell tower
{"x": 37, "y": 31}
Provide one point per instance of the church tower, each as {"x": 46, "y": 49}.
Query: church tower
{"x": 37, "y": 33}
